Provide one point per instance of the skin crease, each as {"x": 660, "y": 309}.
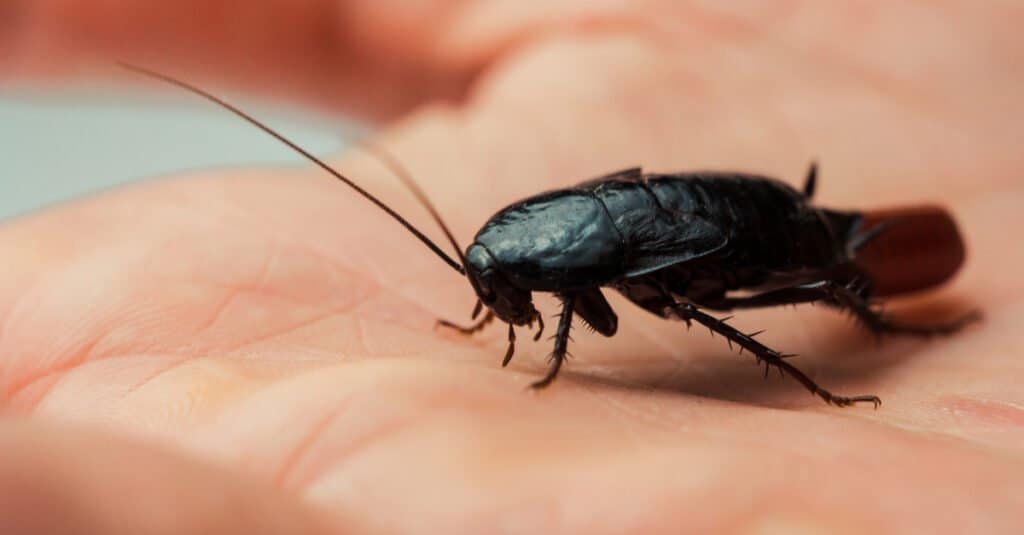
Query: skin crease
{"x": 266, "y": 333}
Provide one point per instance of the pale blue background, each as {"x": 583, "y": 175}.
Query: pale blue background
{"x": 59, "y": 145}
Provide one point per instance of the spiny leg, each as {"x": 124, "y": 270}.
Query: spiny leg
{"x": 849, "y": 297}
{"x": 792, "y": 295}
{"x": 769, "y": 356}
{"x": 877, "y": 323}
{"x": 561, "y": 342}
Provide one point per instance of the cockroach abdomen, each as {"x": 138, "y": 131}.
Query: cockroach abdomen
{"x": 921, "y": 248}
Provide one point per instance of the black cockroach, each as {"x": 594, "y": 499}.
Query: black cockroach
{"x": 675, "y": 244}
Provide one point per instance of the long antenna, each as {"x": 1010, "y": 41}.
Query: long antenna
{"x": 403, "y": 174}
{"x": 426, "y": 241}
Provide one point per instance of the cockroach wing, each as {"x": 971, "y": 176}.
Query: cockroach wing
{"x": 670, "y": 241}
{"x": 653, "y": 237}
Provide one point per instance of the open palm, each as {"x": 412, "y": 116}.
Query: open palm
{"x": 270, "y": 335}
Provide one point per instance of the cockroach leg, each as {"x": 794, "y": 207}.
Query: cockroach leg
{"x": 770, "y": 357}
{"x": 511, "y": 345}
{"x": 878, "y": 323}
{"x": 540, "y": 327}
{"x": 561, "y": 342}
{"x": 847, "y": 297}
{"x": 794, "y": 295}
{"x": 472, "y": 329}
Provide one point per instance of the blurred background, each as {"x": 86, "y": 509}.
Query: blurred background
{"x": 60, "y": 144}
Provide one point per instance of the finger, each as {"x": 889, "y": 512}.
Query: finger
{"x": 77, "y": 481}
{"x": 308, "y": 46}
{"x": 376, "y": 57}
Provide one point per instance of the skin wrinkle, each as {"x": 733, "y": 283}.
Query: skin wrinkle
{"x": 59, "y": 369}
{"x": 317, "y": 318}
{"x": 313, "y": 248}
{"x": 53, "y": 377}
{"x": 219, "y": 309}
{"x": 293, "y": 459}
{"x": 149, "y": 378}
{"x": 270, "y": 225}
{"x": 402, "y": 290}
{"x": 20, "y": 295}
{"x": 360, "y": 334}
{"x": 56, "y": 376}
{"x": 399, "y": 285}
{"x": 344, "y": 454}
{"x": 5, "y": 321}
{"x": 261, "y": 280}
{"x": 262, "y": 288}
{"x": 439, "y": 403}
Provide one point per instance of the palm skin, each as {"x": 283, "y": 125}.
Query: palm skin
{"x": 269, "y": 326}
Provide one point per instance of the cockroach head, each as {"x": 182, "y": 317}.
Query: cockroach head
{"x": 510, "y": 303}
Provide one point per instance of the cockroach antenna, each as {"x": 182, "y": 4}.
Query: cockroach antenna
{"x": 379, "y": 152}
{"x": 405, "y": 177}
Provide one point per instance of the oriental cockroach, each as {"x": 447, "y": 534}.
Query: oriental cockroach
{"x": 678, "y": 244}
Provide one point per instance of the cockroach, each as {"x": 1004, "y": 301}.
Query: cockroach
{"x": 678, "y": 244}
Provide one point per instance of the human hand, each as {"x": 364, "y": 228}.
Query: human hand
{"x": 270, "y": 335}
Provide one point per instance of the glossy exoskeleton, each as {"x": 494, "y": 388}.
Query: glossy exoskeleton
{"x": 677, "y": 244}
